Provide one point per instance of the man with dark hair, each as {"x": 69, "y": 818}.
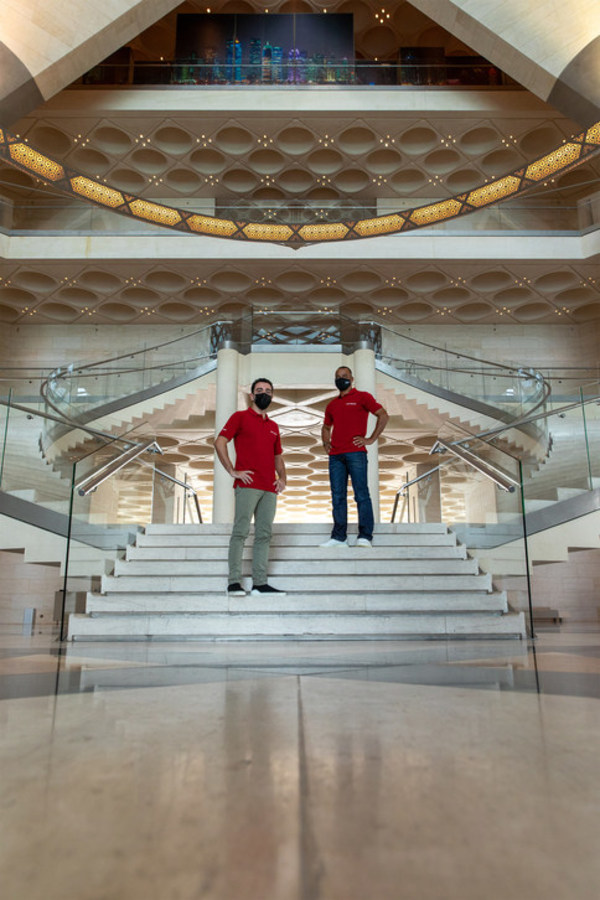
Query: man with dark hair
{"x": 259, "y": 475}
{"x": 344, "y": 438}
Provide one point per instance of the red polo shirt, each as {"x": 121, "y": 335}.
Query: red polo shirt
{"x": 348, "y": 415}
{"x": 257, "y": 443}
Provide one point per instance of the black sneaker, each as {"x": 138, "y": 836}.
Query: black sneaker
{"x": 235, "y": 590}
{"x": 266, "y": 589}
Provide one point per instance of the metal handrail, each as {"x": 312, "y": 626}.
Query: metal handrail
{"x": 184, "y": 484}
{"x": 110, "y": 439}
{"x": 63, "y": 420}
{"x": 501, "y": 478}
{"x": 482, "y": 437}
{"x": 401, "y": 492}
{"x": 107, "y": 469}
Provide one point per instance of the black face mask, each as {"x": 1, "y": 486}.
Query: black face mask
{"x": 342, "y": 384}
{"x": 262, "y": 400}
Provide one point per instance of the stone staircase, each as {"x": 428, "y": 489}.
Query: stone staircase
{"x": 416, "y": 582}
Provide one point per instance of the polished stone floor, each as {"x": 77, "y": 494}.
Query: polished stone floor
{"x": 300, "y": 771}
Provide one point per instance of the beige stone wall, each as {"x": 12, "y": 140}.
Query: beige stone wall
{"x": 550, "y": 48}
{"x": 24, "y": 585}
{"x": 571, "y": 587}
{"x": 58, "y": 41}
{"x": 539, "y": 346}
{"x": 47, "y": 346}
{"x": 533, "y": 42}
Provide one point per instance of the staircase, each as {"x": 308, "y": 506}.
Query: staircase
{"x": 416, "y": 582}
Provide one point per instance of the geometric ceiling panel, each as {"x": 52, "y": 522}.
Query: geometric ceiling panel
{"x": 394, "y": 291}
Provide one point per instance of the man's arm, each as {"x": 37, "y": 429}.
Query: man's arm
{"x": 221, "y": 447}
{"x": 382, "y": 420}
{"x": 326, "y": 437}
{"x": 281, "y": 474}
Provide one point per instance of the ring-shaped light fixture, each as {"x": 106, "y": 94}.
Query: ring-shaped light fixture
{"x": 571, "y": 153}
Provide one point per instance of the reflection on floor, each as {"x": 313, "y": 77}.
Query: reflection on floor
{"x": 300, "y": 771}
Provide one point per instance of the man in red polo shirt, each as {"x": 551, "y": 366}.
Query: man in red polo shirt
{"x": 259, "y": 475}
{"x": 344, "y": 438}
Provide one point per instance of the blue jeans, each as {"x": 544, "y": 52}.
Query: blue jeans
{"x": 342, "y": 465}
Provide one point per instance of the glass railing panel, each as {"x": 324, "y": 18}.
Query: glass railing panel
{"x": 105, "y": 520}
{"x": 511, "y": 389}
{"x": 572, "y": 466}
{"x": 488, "y": 521}
{"x": 75, "y": 390}
{"x": 76, "y": 218}
{"x": 590, "y": 403}
{"x": 27, "y": 474}
{"x": 306, "y": 71}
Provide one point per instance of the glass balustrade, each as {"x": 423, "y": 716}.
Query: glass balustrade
{"x": 486, "y": 518}
{"x": 306, "y": 72}
{"x": 499, "y": 392}
{"x": 513, "y": 390}
{"x": 74, "y": 391}
{"x": 84, "y": 532}
{"x": 108, "y": 515}
{"x": 557, "y": 485}
{"x": 72, "y": 217}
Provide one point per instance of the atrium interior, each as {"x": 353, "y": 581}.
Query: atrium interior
{"x": 193, "y": 196}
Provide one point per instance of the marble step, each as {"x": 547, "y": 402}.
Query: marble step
{"x": 355, "y": 565}
{"x": 400, "y": 602}
{"x": 310, "y": 583}
{"x": 277, "y": 626}
{"x": 293, "y": 552}
{"x": 314, "y": 528}
{"x": 293, "y": 539}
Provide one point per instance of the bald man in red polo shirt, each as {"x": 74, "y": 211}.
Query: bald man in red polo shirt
{"x": 259, "y": 475}
{"x": 344, "y": 435}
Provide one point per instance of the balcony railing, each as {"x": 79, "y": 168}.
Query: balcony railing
{"x": 371, "y": 72}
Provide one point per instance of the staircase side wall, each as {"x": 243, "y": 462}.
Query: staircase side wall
{"x": 571, "y": 587}
{"x": 24, "y": 585}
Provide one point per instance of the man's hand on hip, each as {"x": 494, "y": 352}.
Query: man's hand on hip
{"x": 245, "y": 477}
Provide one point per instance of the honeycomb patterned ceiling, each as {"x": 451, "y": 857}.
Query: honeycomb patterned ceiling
{"x": 396, "y": 291}
{"x": 316, "y": 165}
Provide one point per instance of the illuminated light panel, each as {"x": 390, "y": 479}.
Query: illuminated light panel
{"x": 336, "y": 231}
{"x": 255, "y": 231}
{"x": 155, "y": 212}
{"x": 99, "y": 193}
{"x": 211, "y": 225}
{"x": 565, "y": 157}
{"x": 36, "y": 162}
{"x": 592, "y": 135}
{"x": 379, "y": 225}
{"x": 549, "y": 164}
{"x": 497, "y": 190}
{"x": 436, "y": 212}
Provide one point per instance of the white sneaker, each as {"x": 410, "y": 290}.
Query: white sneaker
{"x": 363, "y": 542}
{"x": 332, "y": 542}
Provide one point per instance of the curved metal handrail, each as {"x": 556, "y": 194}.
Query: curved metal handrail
{"x": 482, "y": 436}
{"x": 490, "y": 368}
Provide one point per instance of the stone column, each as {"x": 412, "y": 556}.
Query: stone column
{"x": 365, "y": 380}
{"x": 227, "y": 391}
